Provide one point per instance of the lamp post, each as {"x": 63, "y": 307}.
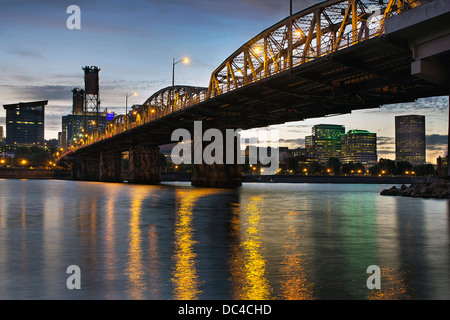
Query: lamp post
{"x": 185, "y": 60}
{"x": 126, "y": 101}
{"x": 290, "y": 37}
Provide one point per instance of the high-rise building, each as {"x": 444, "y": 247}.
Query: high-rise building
{"x": 410, "y": 139}
{"x": 1, "y": 134}
{"x": 309, "y": 142}
{"x": 327, "y": 141}
{"x": 359, "y": 146}
{"x": 73, "y": 126}
{"x": 309, "y": 148}
{"x": 25, "y": 123}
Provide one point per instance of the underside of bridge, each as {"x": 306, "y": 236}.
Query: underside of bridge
{"x": 407, "y": 62}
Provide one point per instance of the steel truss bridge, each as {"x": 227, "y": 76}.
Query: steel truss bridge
{"x": 331, "y": 58}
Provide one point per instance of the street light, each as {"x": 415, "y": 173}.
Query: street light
{"x": 126, "y": 101}
{"x": 290, "y": 44}
{"x": 185, "y": 60}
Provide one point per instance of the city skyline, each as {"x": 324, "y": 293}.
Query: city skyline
{"x": 135, "y": 55}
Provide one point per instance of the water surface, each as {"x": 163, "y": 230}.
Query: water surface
{"x": 261, "y": 241}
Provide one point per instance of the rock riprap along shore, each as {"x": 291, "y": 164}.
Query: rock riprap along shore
{"x": 437, "y": 188}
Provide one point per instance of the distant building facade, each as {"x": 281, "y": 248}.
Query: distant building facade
{"x": 75, "y": 126}
{"x": 359, "y": 146}
{"x": 25, "y": 123}
{"x": 2, "y": 146}
{"x": 326, "y": 141}
{"x": 410, "y": 139}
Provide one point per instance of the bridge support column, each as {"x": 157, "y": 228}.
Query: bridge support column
{"x": 216, "y": 175}
{"x": 85, "y": 169}
{"x": 110, "y": 167}
{"x": 75, "y": 170}
{"x": 144, "y": 164}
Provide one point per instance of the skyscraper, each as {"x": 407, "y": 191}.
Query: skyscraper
{"x": 410, "y": 139}
{"x": 309, "y": 147}
{"x": 73, "y": 125}
{"x": 359, "y": 146}
{"x": 25, "y": 122}
{"x": 1, "y": 134}
{"x": 327, "y": 141}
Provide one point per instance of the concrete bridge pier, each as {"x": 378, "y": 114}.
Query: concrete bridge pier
{"x": 110, "y": 166}
{"x": 75, "y": 170}
{"x": 220, "y": 173}
{"x": 86, "y": 170}
{"x": 144, "y": 164}
{"x": 216, "y": 175}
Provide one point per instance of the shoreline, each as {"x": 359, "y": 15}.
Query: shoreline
{"x": 332, "y": 179}
{"x": 433, "y": 187}
{"x": 24, "y": 173}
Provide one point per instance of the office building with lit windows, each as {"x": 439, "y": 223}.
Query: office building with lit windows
{"x": 326, "y": 140}
{"x": 410, "y": 139}
{"x": 25, "y": 123}
{"x": 75, "y": 126}
{"x": 359, "y": 146}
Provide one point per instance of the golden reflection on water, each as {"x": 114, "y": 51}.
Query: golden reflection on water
{"x": 393, "y": 286}
{"x": 154, "y": 264}
{"x": 53, "y": 207}
{"x": 248, "y": 265}
{"x": 88, "y": 225}
{"x": 135, "y": 267}
{"x": 295, "y": 284}
{"x": 185, "y": 277}
{"x": 110, "y": 257}
{"x": 140, "y": 273}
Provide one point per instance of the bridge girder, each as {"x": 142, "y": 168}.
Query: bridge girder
{"x": 314, "y": 32}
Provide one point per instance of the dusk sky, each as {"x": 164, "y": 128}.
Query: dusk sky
{"x": 134, "y": 42}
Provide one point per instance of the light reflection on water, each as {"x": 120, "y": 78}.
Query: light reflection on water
{"x": 261, "y": 241}
{"x": 185, "y": 276}
{"x": 249, "y": 264}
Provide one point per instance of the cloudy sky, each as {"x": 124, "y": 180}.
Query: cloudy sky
{"x": 134, "y": 42}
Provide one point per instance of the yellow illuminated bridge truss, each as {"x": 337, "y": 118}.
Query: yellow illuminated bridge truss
{"x": 314, "y": 32}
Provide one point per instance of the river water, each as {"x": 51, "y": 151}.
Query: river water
{"x": 260, "y": 241}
